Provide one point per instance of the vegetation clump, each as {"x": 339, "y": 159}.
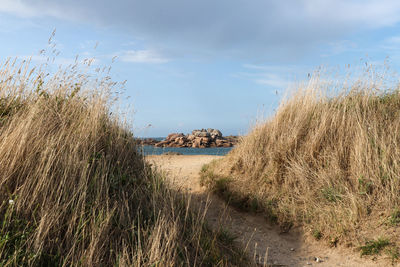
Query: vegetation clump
{"x": 328, "y": 160}
{"x": 374, "y": 247}
{"x": 74, "y": 191}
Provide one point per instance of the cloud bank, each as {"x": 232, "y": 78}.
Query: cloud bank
{"x": 264, "y": 29}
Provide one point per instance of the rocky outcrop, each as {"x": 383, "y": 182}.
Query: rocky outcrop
{"x": 197, "y": 139}
{"x": 148, "y": 141}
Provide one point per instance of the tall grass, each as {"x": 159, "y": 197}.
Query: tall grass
{"x": 74, "y": 191}
{"x": 329, "y": 160}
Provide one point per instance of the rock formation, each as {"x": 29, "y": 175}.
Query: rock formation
{"x": 197, "y": 139}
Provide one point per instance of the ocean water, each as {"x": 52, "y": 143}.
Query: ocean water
{"x": 151, "y": 150}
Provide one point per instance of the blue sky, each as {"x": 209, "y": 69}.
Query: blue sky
{"x": 200, "y": 64}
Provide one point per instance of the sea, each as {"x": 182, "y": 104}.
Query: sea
{"x": 151, "y": 150}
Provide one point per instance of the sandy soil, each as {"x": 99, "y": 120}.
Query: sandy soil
{"x": 264, "y": 243}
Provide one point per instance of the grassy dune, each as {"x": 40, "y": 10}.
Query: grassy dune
{"x": 328, "y": 161}
{"x": 73, "y": 189}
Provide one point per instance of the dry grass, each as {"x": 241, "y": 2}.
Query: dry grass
{"x": 328, "y": 160}
{"x": 73, "y": 189}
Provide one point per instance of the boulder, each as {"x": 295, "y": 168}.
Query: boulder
{"x": 173, "y": 136}
{"x": 190, "y": 137}
{"x": 196, "y": 143}
{"x": 162, "y": 143}
{"x": 205, "y": 140}
{"x": 219, "y": 142}
{"x": 195, "y": 131}
{"x": 227, "y": 144}
{"x": 202, "y": 134}
{"x": 216, "y": 133}
{"x": 180, "y": 140}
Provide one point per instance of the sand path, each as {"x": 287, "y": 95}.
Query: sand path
{"x": 263, "y": 242}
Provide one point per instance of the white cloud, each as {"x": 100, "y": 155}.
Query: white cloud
{"x": 142, "y": 56}
{"x": 276, "y": 77}
{"x": 273, "y": 80}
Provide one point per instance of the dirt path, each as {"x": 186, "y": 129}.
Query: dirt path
{"x": 262, "y": 240}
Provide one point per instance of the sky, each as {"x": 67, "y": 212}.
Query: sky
{"x": 205, "y": 64}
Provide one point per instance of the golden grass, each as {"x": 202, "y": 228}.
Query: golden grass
{"x": 74, "y": 191}
{"x": 328, "y": 160}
